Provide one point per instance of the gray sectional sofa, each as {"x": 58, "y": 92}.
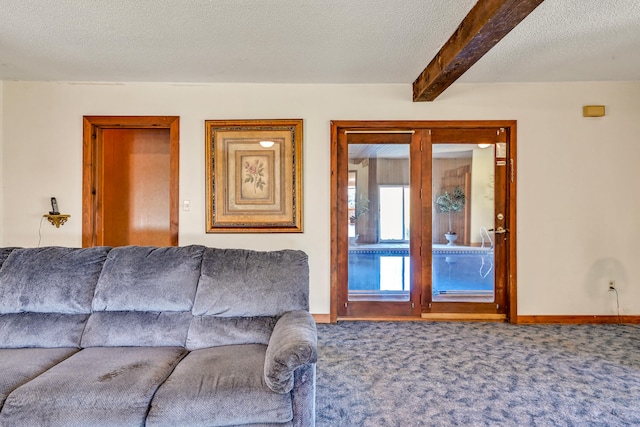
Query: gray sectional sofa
{"x": 172, "y": 336}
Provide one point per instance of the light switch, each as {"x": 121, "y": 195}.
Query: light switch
{"x": 186, "y": 205}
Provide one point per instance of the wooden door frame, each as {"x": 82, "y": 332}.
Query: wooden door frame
{"x": 92, "y": 168}
{"x": 338, "y": 127}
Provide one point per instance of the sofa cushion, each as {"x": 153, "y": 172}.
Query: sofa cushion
{"x": 219, "y": 386}
{"x": 41, "y": 329}
{"x": 4, "y": 254}
{"x": 231, "y": 279}
{"x": 213, "y": 331}
{"x": 50, "y": 280}
{"x": 144, "y": 278}
{"x": 19, "y": 365}
{"x": 131, "y": 328}
{"x": 96, "y": 386}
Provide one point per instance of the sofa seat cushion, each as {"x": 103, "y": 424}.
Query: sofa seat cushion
{"x": 50, "y": 280}
{"x": 96, "y": 386}
{"x": 19, "y": 365}
{"x": 220, "y": 386}
{"x": 41, "y": 329}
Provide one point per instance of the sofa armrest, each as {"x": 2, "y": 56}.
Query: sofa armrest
{"x": 294, "y": 343}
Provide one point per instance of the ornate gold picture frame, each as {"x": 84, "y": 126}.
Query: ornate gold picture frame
{"x": 254, "y": 176}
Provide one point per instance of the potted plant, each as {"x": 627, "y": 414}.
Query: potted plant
{"x": 451, "y": 203}
{"x": 360, "y": 208}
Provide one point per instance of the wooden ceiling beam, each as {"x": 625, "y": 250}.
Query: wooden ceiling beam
{"x": 485, "y": 25}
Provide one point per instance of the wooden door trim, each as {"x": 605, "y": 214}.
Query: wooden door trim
{"x": 337, "y": 130}
{"x": 337, "y": 211}
{"x": 512, "y": 289}
{"x": 92, "y": 164}
{"x": 416, "y": 234}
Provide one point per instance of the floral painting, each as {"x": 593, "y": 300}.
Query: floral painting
{"x": 254, "y": 176}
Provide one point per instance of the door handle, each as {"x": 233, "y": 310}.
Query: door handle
{"x": 499, "y": 230}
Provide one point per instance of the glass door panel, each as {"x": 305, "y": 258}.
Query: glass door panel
{"x": 379, "y": 222}
{"x": 463, "y": 190}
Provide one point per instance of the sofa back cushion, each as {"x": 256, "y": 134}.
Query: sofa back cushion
{"x": 214, "y": 331}
{"x": 245, "y": 283}
{"x": 50, "y": 280}
{"x": 4, "y": 254}
{"x": 145, "y": 278}
{"x": 144, "y": 297}
{"x": 45, "y": 295}
{"x": 137, "y": 328}
{"x": 50, "y": 330}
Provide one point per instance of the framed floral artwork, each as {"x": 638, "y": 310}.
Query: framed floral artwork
{"x": 254, "y": 176}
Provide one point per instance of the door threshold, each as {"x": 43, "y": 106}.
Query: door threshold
{"x": 463, "y": 298}
{"x": 431, "y": 317}
{"x": 482, "y": 317}
{"x": 379, "y": 319}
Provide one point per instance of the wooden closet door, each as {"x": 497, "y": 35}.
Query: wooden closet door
{"x": 136, "y": 183}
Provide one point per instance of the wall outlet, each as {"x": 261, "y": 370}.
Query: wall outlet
{"x": 612, "y": 285}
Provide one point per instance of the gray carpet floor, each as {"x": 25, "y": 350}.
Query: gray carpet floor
{"x": 477, "y": 374}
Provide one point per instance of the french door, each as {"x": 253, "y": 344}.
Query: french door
{"x": 380, "y": 171}
{"x": 465, "y": 258}
{"x": 422, "y": 220}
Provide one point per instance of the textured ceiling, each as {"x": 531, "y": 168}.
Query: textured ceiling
{"x": 304, "y": 41}
{"x": 568, "y": 40}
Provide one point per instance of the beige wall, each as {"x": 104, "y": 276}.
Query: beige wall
{"x": 578, "y": 212}
{"x": 1, "y": 165}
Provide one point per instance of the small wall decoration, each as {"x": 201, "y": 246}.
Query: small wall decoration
{"x": 254, "y": 176}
